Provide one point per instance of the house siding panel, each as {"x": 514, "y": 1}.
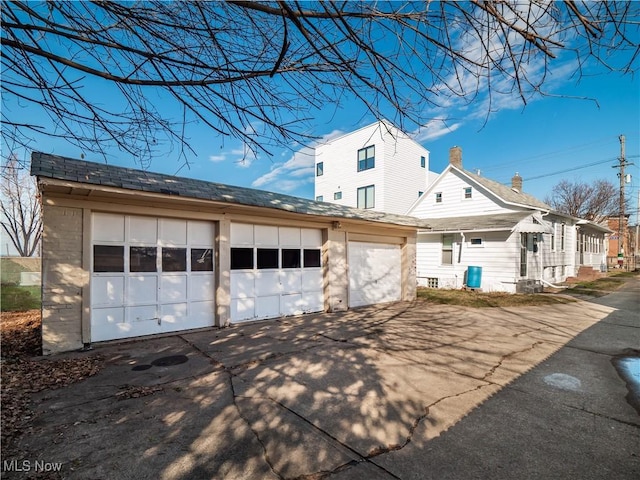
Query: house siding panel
{"x": 397, "y": 176}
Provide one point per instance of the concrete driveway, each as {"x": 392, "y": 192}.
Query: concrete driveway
{"x": 360, "y": 394}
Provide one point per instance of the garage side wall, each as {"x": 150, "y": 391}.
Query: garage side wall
{"x": 63, "y": 279}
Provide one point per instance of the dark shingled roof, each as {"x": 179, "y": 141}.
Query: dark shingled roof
{"x": 67, "y": 169}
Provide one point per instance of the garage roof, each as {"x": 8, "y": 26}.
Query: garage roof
{"x": 90, "y": 173}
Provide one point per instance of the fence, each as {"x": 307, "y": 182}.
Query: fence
{"x": 629, "y": 263}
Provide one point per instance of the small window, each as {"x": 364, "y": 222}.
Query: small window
{"x": 108, "y": 258}
{"x": 291, "y": 258}
{"x": 267, "y": 258}
{"x": 241, "y": 258}
{"x": 201, "y": 260}
{"x": 366, "y": 158}
{"x": 319, "y": 198}
{"x": 311, "y": 257}
{"x": 563, "y": 231}
{"x": 432, "y": 282}
{"x": 142, "y": 259}
{"x": 366, "y": 197}
{"x": 319, "y": 169}
{"x": 467, "y": 192}
{"x": 337, "y": 196}
{"x": 447, "y": 249}
{"x": 174, "y": 259}
{"x": 420, "y": 193}
{"x": 475, "y": 242}
{"x": 439, "y": 197}
{"x": 423, "y": 162}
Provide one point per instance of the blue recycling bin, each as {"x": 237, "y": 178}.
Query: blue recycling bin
{"x": 474, "y": 277}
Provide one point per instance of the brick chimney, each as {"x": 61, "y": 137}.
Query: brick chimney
{"x": 455, "y": 157}
{"x": 516, "y": 182}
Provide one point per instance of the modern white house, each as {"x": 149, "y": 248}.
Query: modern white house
{"x": 376, "y": 167}
{"x": 128, "y": 253}
{"x": 504, "y": 238}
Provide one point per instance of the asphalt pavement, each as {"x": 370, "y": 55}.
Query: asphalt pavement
{"x": 406, "y": 390}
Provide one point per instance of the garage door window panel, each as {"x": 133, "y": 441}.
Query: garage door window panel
{"x": 312, "y": 258}
{"x": 201, "y": 260}
{"x": 241, "y": 258}
{"x": 267, "y": 258}
{"x": 108, "y": 258}
{"x": 143, "y": 259}
{"x": 174, "y": 259}
{"x": 291, "y": 258}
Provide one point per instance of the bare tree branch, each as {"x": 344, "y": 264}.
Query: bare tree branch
{"x": 136, "y": 75}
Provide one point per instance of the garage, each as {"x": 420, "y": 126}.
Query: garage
{"x": 275, "y": 271}
{"x": 150, "y": 275}
{"x": 375, "y": 273}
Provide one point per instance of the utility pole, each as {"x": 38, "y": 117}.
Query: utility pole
{"x": 622, "y": 163}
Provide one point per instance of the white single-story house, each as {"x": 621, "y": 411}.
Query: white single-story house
{"x": 508, "y": 240}
{"x": 128, "y": 253}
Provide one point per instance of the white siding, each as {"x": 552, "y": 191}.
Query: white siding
{"x": 397, "y": 176}
{"x": 453, "y": 204}
{"x": 498, "y": 256}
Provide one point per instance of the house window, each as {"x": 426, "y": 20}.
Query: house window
{"x": 447, "y": 249}
{"x": 319, "y": 198}
{"x": 467, "y": 192}
{"x": 562, "y": 236}
{"x": 432, "y": 282}
{"x": 366, "y": 158}
{"x": 523, "y": 254}
{"x": 174, "y": 259}
{"x": 366, "y": 197}
{"x": 439, "y": 197}
{"x": 553, "y": 237}
{"x": 108, "y": 258}
{"x": 423, "y": 162}
{"x": 475, "y": 242}
{"x": 241, "y": 258}
{"x": 319, "y": 169}
{"x": 337, "y": 195}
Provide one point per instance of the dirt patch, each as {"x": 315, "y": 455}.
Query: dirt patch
{"x": 23, "y": 372}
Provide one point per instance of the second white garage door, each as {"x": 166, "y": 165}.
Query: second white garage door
{"x": 375, "y": 273}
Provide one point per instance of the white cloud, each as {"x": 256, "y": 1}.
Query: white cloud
{"x": 434, "y": 129}
{"x": 300, "y": 167}
{"x": 217, "y": 158}
{"x": 297, "y": 171}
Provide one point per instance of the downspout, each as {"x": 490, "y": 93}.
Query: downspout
{"x": 462, "y": 238}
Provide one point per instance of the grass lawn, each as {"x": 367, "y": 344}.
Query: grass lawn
{"x": 19, "y": 299}
{"x": 469, "y": 298}
{"x": 603, "y": 285}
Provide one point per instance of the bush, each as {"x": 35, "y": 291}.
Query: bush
{"x": 14, "y": 298}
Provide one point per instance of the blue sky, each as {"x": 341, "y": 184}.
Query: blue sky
{"x": 571, "y": 134}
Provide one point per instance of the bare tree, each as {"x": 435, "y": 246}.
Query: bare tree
{"x": 21, "y": 217}
{"x": 137, "y": 74}
{"x": 592, "y": 201}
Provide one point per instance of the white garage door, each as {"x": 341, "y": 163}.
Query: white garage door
{"x": 275, "y": 271}
{"x": 374, "y": 273}
{"x": 150, "y": 275}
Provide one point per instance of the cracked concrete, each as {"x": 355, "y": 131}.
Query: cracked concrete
{"x": 358, "y": 394}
